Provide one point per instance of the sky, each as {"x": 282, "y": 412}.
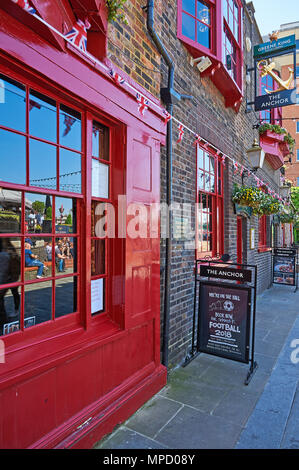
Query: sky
{"x": 270, "y": 14}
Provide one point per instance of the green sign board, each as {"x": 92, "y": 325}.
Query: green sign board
{"x": 268, "y": 48}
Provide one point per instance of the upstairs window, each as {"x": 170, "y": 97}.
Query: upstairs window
{"x": 196, "y": 21}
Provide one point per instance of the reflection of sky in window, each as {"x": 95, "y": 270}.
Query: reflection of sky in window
{"x": 42, "y": 117}
{"x": 70, "y": 128}
{"x": 42, "y": 164}
{"x": 12, "y": 105}
{"x": 12, "y": 157}
{"x": 70, "y": 171}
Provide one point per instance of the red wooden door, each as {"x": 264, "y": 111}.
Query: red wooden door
{"x": 143, "y": 237}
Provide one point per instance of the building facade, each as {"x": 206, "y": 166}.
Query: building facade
{"x": 100, "y": 123}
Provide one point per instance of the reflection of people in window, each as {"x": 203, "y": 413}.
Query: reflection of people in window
{"x": 31, "y": 259}
{"x": 10, "y": 268}
{"x": 60, "y": 257}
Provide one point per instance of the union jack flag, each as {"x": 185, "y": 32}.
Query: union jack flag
{"x": 181, "y": 133}
{"x": 222, "y": 159}
{"x": 197, "y": 140}
{"x": 143, "y": 104}
{"x": 236, "y": 167}
{"x": 78, "y": 34}
{"x": 167, "y": 116}
{"x": 117, "y": 78}
{"x": 25, "y": 5}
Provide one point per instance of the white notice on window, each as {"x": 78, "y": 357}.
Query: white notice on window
{"x": 97, "y": 296}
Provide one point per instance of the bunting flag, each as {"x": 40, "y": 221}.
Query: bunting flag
{"x": 68, "y": 122}
{"x": 181, "y": 133}
{"x": 143, "y": 103}
{"x": 117, "y": 78}
{"x": 236, "y": 167}
{"x": 242, "y": 170}
{"x": 34, "y": 104}
{"x": 223, "y": 158}
{"x": 168, "y": 116}
{"x": 78, "y": 35}
{"x": 24, "y": 4}
{"x": 197, "y": 140}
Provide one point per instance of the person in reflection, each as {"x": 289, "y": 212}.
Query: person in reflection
{"x": 59, "y": 256}
{"x": 31, "y": 259}
{"x": 10, "y": 268}
{"x": 49, "y": 250}
{"x": 31, "y": 220}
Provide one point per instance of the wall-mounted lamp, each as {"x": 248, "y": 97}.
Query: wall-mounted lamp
{"x": 256, "y": 157}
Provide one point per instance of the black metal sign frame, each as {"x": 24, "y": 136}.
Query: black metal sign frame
{"x": 285, "y": 254}
{"x": 216, "y": 273}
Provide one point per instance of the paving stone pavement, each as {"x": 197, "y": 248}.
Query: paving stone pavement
{"x": 206, "y": 405}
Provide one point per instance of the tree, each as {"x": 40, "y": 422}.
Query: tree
{"x": 69, "y": 220}
{"x": 38, "y": 206}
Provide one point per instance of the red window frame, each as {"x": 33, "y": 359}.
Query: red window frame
{"x": 263, "y": 233}
{"x": 209, "y": 203}
{"x": 217, "y": 25}
{"x": 82, "y": 316}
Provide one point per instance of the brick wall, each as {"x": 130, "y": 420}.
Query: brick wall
{"x": 229, "y": 131}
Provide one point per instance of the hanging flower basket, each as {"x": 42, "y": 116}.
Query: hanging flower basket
{"x": 257, "y": 200}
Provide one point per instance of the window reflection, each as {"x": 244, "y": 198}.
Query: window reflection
{"x": 10, "y": 211}
{"x": 10, "y": 270}
{"x": 42, "y": 165}
{"x": 100, "y": 141}
{"x": 65, "y": 255}
{"x": 70, "y": 171}
{"x": 38, "y": 213}
{"x": 97, "y": 257}
{"x": 38, "y": 303}
{"x": 69, "y": 128}
{"x": 12, "y": 157}
{"x": 65, "y": 215}
{"x": 97, "y": 296}
{"x": 65, "y": 296}
{"x": 37, "y": 262}
{"x": 12, "y": 104}
{"x": 42, "y": 116}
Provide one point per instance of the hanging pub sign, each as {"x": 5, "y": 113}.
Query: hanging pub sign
{"x": 284, "y": 266}
{"x": 275, "y": 80}
{"x": 225, "y": 321}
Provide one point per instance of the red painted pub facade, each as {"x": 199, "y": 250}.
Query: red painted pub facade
{"x": 82, "y": 342}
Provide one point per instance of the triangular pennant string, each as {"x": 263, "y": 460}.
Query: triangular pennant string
{"x": 24, "y": 4}
{"x": 181, "y": 133}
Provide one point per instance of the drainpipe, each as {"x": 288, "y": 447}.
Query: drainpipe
{"x": 169, "y": 97}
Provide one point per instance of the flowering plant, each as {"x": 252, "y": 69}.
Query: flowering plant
{"x": 261, "y": 203}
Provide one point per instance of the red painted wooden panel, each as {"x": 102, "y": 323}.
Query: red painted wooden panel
{"x": 35, "y": 408}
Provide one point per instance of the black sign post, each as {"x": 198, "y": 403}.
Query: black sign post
{"x": 284, "y": 263}
{"x": 224, "y": 312}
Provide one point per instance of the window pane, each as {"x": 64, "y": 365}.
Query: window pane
{"x": 12, "y": 156}
{"x": 189, "y": 6}
{"x": 42, "y": 116}
{"x": 38, "y": 213}
{"x": 65, "y": 215}
{"x": 42, "y": 165}
{"x": 70, "y": 171}
{"x": 12, "y": 104}
{"x": 98, "y": 257}
{"x": 203, "y": 34}
{"x": 100, "y": 179}
{"x": 99, "y": 219}
{"x": 65, "y": 255}
{"x": 100, "y": 141}
{"x": 10, "y": 211}
{"x": 37, "y": 262}
{"x": 188, "y": 26}
{"x": 70, "y": 128}
{"x": 97, "y": 296}
{"x": 10, "y": 260}
{"x": 38, "y": 303}
{"x": 200, "y": 180}
{"x": 65, "y": 296}
{"x": 203, "y": 12}
{"x": 200, "y": 157}
{"x": 224, "y": 9}
{"x": 10, "y": 270}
